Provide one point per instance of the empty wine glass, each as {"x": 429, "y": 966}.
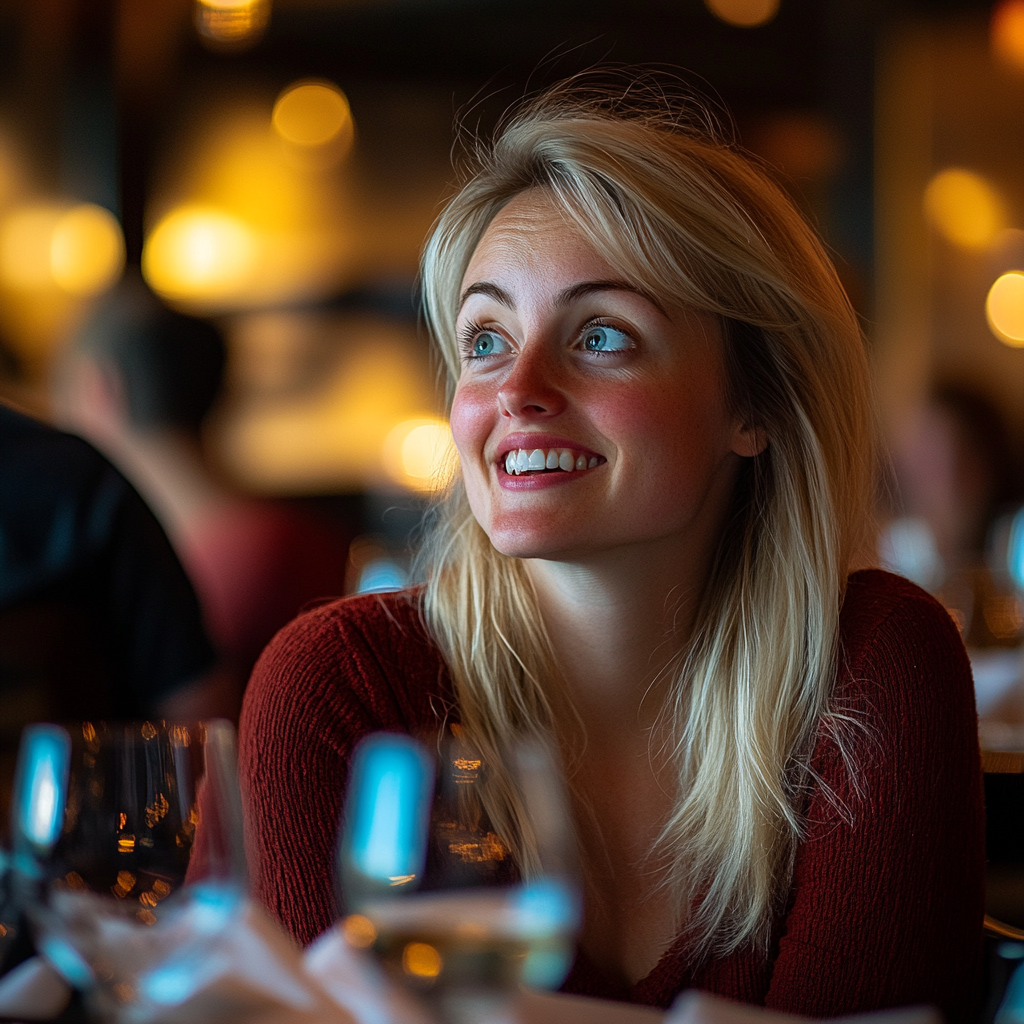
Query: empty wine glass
{"x": 107, "y": 819}
{"x": 459, "y": 873}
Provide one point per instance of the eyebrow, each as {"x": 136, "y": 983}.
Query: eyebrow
{"x": 565, "y": 298}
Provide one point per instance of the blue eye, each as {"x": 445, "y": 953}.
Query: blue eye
{"x": 600, "y": 338}
{"x": 487, "y": 343}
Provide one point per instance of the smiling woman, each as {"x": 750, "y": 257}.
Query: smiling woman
{"x": 659, "y": 396}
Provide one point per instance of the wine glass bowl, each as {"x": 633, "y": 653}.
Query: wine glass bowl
{"x": 458, "y": 872}
{"x": 106, "y": 823}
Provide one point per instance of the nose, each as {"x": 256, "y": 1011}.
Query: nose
{"x": 532, "y": 389}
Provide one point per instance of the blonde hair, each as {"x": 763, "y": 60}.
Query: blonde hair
{"x": 686, "y": 217}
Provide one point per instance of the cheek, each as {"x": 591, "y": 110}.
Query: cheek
{"x": 468, "y": 422}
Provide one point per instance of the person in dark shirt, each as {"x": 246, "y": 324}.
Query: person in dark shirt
{"x": 139, "y": 381}
{"x": 97, "y": 616}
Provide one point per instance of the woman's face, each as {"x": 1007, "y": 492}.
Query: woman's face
{"x": 588, "y": 416}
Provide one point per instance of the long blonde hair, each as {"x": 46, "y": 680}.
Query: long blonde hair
{"x": 684, "y": 215}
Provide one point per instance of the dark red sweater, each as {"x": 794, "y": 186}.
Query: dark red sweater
{"x": 885, "y": 907}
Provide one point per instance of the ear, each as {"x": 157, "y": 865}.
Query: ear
{"x": 748, "y": 440}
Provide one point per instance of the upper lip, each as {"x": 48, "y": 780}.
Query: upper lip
{"x": 531, "y": 441}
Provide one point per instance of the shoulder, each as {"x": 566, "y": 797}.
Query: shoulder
{"x": 388, "y": 624}
{"x": 61, "y": 503}
{"x": 367, "y": 656}
{"x": 904, "y": 674}
{"x": 886, "y": 618}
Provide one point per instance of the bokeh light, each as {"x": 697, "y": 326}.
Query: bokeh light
{"x": 313, "y": 113}
{"x": 418, "y": 453}
{"x": 964, "y": 207}
{"x": 1004, "y": 308}
{"x": 86, "y": 250}
{"x": 231, "y": 24}
{"x": 198, "y": 252}
{"x": 26, "y": 237}
{"x": 1007, "y": 33}
{"x": 744, "y": 13}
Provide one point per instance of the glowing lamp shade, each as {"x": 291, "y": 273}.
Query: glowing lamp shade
{"x": 1004, "y": 308}
{"x": 198, "y": 252}
{"x": 1007, "y": 33}
{"x": 26, "y": 237}
{"x": 80, "y": 250}
{"x": 387, "y": 811}
{"x": 231, "y": 23}
{"x": 86, "y": 250}
{"x": 744, "y": 13}
{"x": 964, "y": 207}
{"x": 418, "y": 453}
{"x": 41, "y": 786}
{"x": 312, "y": 113}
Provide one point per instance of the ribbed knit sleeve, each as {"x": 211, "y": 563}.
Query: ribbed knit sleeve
{"x": 329, "y": 678}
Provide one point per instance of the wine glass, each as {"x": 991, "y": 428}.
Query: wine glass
{"x": 459, "y": 872}
{"x": 107, "y": 819}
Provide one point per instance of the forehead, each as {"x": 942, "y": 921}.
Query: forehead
{"x": 530, "y": 231}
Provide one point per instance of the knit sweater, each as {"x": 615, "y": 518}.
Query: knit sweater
{"x": 886, "y": 900}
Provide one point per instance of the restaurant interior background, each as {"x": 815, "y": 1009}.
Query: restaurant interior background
{"x": 275, "y": 164}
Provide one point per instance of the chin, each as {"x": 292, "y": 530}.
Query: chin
{"x": 528, "y": 544}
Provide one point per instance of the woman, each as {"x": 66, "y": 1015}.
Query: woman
{"x": 659, "y": 397}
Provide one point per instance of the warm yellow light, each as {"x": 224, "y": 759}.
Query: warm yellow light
{"x": 421, "y": 960}
{"x": 312, "y": 114}
{"x": 1004, "y": 308}
{"x": 418, "y": 452}
{"x": 744, "y": 13}
{"x": 232, "y": 23}
{"x": 86, "y": 250}
{"x": 964, "y": 207}
{"x": 26, "y": 237}
{"x": 198, "y": 252}
{"x": 359, "y": 931}
{"x": 1007, "y": 33}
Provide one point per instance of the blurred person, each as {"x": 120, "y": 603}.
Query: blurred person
{"x": 138, "y": 381}
{"x": 955, "y": 474}
{"x": 955, "y": 471}
{"x": 659, "y": 395}
{"x": 97, "y": 617}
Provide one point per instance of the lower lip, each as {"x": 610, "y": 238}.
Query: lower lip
{"x": 540, "y": 481}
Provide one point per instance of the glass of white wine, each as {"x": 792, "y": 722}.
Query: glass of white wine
{"x": 106, "y": 824}
{"x": 458, "y": 871}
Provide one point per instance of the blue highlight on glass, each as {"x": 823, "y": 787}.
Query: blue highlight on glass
{"x": 41, "y": 787}
{"x": 388, "y": 811}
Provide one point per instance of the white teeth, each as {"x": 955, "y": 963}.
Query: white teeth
{"x": 520, "y": 460}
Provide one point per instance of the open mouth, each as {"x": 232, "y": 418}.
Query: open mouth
{"x": 548, "y": 460}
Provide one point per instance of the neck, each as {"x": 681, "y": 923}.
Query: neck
{"x": 616, "y": 623}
